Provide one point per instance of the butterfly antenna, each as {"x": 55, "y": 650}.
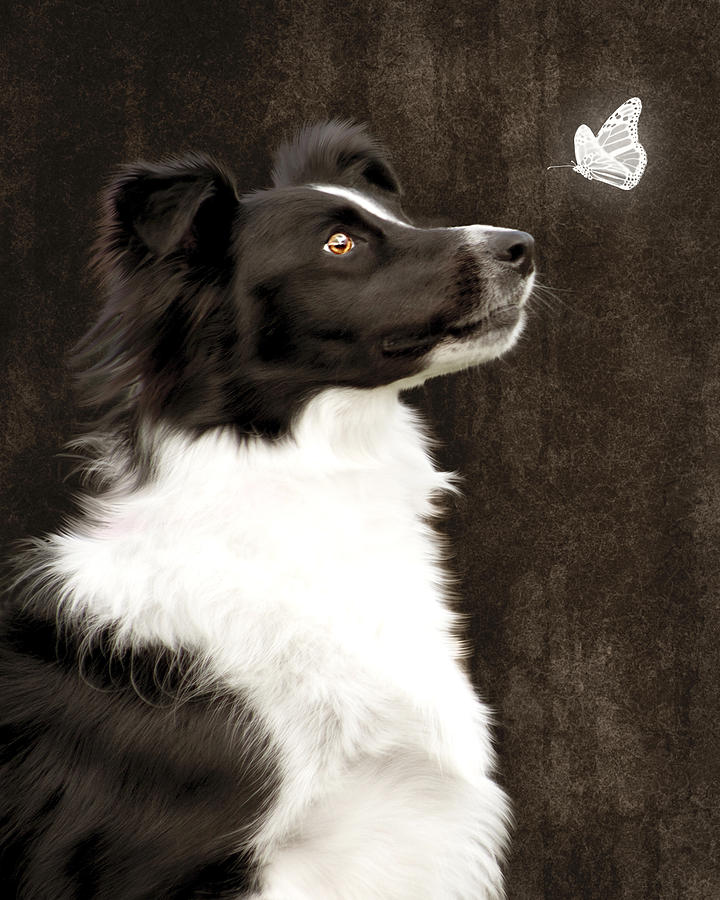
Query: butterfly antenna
{"x": 567, "y": 166}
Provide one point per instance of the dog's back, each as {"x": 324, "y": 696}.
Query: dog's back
{"x": 236, "y": 671}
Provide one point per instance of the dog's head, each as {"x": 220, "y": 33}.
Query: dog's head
{"x": 236, "y": 310}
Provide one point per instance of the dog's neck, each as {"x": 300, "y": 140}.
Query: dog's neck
{"x": 225, "y": 525}
{"x": 339, "y": 431}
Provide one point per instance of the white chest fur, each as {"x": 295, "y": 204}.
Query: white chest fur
{"x": 229, "y": 546}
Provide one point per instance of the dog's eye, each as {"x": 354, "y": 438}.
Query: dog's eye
{"x": 339, "y": 243}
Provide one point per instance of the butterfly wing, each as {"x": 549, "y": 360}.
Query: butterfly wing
{"x": 586, "y": 144}
{"x": 604, "y": 168}
{"x": 619, "y": 139}
{"x": 594, "y": 163}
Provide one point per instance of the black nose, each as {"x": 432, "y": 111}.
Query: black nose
{"x": 514, "y": 247}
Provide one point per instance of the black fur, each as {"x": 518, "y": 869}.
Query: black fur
{"x": 120, "y": 777}
{"x": 338, "y": 153}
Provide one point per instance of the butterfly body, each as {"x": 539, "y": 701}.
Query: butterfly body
{"x": 615, "y": 156}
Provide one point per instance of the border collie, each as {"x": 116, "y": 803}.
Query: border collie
{"x": 236, "y": 673}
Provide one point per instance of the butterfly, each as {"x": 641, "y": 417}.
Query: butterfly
{"x": 615, "y": 156}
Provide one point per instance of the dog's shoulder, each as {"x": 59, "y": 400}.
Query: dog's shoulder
{"x": 161, "y": 748}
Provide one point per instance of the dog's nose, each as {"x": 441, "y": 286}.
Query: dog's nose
{"x": 514, "y": 247}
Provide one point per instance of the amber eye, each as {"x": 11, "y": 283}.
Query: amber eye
{"x": 339, "y": 243}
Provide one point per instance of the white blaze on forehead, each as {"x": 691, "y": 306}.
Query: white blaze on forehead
{"x": 477, "y": 234}
{"x": 362, "y": 200}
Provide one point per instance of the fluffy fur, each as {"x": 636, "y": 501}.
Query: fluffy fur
{"x": 236, "y": 673}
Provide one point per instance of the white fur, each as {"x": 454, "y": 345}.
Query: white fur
{"x": 369, "y": 204}
{"x": 306, "y": 574}
{"x": 450, "y": 355}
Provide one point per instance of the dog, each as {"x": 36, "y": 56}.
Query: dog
{"x": 236, "y": 672}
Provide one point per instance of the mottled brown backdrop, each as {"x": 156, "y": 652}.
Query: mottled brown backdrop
{"x": 588, "y": 535}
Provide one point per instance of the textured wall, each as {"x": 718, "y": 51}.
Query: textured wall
{"x": 587, "y": 537}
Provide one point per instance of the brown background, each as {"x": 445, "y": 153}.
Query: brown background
{"x": 587, "y": 539}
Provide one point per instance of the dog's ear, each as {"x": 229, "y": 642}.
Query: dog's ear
{"x": 184, "y": 208}
{"x": 336, "y": 152}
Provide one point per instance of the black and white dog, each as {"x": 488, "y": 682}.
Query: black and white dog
{"x": 236, "y": 674}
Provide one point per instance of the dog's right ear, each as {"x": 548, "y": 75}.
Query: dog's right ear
{"x": 181, "y": 210}
{"x": 336, "y": 152}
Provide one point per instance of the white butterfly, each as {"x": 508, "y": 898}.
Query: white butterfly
{"x": 615, "y": 156}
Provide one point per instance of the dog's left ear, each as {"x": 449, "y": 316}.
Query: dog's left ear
{"x": 336, "y": 152}
{"x": 184, "y": 208}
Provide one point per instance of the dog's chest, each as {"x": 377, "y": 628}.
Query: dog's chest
{"x": 275, "y": 559}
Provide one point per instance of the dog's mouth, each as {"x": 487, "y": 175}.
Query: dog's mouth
{"x": 413, "y": 344}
